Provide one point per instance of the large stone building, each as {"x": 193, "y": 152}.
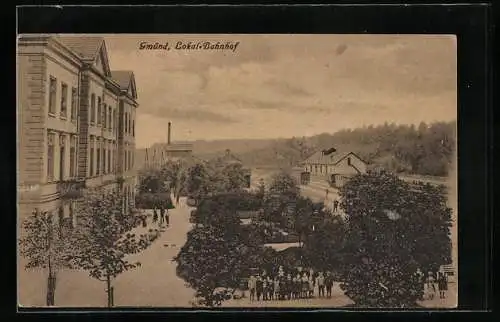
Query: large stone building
{"x": 76, "y": 122}
{"x": 336, "y": 166}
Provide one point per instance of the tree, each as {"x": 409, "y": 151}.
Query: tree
{"x": 104, "y": 237}
{"x": 393, "y": 229}
{"x": 197, "y": 181}
{"x": 44, "y": 248}
{"x": 213, "y": 261}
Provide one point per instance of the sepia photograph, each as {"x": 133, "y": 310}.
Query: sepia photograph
{"x": 208, "y": 171}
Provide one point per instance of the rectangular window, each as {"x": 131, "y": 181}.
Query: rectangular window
{"x": 99, "y": 111}
{"x": 62, "y": 157}
{"x": 109, "y": 158}
{"x": 105, "y": 116}
{"x": 104, "y": 150}
{"x": 72, "y": 157}
{"x": 126, "y": 122}
{"x": 125, "y": 161}
{"x": 52, "y": 95}
{"x": 133, "y": 128}
{"x": 98, "y": 161}
{"x": 74, "y": 100}
{"x": 50, "y": 156}
{"x": 64, "y": 100}
{"x": 110, "y": 119}
{"x": 92, "y": 109}
{"x": 129, "y": 125}
{"x": 91, "y": 158}
{"x": 349, "y": 161}
{"x": 114, "y": 121}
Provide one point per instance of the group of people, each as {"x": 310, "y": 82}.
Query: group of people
{"x": 433, "y": 283}
{"x": 289, "y": 286}
{"x": 164, "y": 216}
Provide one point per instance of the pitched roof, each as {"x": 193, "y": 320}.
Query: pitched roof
{"x": 320, "y": 157}
{"x": 87, "y": 47}
{"x": 122, "y": 78}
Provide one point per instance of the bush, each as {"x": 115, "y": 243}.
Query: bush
{"x": 154, "y": 200}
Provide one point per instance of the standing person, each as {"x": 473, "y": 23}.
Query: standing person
{"x": 277, "y": 288}
{"x": 270, "y": 288}
{"x": 312, "y": 282}
{"x": 335, "y": 205}
{"x": 329, "y": 284}
{"x": 162, "y": 215}
{"x": 167, "y": 217}
{"x": 442, "y": 284}
{"x": 259, "y": 287}
{"x": 251, "y": 287}
{"x": 177, "y": 199}
{"x": 305, "y": 285}
{"x": 155, "y": 215}
{"x": 297, "y": 285}
{"x": 264, "y": 288}
{"x": 430, "y": 290}
{"x": 420, "y": 277}
{"x": 321, "y": 284}
{"x": 289, "y": 286}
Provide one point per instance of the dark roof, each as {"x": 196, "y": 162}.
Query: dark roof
{"x": 87, "y": 47}
{"x": 322, "y": 158}
{"x": 122, "y": 78}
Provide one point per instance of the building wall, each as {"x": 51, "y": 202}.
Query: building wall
{"x": 343, "y": 166}
{"x": 38, "y": 61}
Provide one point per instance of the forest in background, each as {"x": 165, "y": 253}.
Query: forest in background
{"x": 424, "y": 149}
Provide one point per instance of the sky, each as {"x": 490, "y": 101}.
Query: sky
{"x": 286, "y": 85}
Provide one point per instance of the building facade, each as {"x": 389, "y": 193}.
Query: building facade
{"x": 76, "y": 122}
{"x": 336, "y": 166}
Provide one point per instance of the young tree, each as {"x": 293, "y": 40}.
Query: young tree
{"x": 44, "y": 248}
{"x": 104, "y": 237}
{"x": 393, "y": 229}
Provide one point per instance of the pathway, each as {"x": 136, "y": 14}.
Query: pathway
{"x": 154, "y": 284}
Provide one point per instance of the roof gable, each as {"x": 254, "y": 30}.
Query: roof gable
{"x": 88, "y": 49}
{"x": 332, "y": 158}
{"x": 126, "y": 80}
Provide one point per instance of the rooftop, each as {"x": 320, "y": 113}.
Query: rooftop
{"x": 87, "y": 47}
{"x": 122, "y": 77}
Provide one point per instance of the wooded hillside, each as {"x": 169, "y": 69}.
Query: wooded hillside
{"x": 424, "y": 149}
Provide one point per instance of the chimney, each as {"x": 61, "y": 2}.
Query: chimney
{"x": 169, "y": 132}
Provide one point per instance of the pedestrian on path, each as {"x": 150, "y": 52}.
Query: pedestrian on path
{"x": 321, "y": 285}
{"x": 155, "y": 215}
{"x": 442, "y": 284}
{"x": 259, "y": 285}
{"x": 167, "y": 218}
{"x": 177, "y": 199}
{"x": 251, "y": 287}
{"x": 162, "y": 215}
{"x": 335, "y": 205}
{"x": 329, "y": 284}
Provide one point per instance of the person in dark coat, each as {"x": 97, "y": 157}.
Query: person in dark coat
{"x": 162, "y": 215}
{"x": 259, "y": 287}
{"x": 335, "y": 205}
{"x": 329, "y": 284}
{"x": 442, "y": 284}
{"x": 155, "y": 215}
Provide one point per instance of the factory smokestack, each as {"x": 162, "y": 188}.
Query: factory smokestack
{"x": 169, "y": 132}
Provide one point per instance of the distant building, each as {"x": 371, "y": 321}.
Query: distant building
{"x": 229, "y": 158}
{"x": 158, "y": 155}
{"x": 335, "y": 165}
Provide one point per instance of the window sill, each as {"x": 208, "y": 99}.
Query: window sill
{"x": 52, "y": 114}
{"x": 63, "y": 117}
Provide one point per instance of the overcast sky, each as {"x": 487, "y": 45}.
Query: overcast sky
{"x": 287, "y": 85}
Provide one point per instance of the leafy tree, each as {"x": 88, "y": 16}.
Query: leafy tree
{"x": 198, "y": 181}
{"x": 393, "y": 229}
{"x": 213, "y": 261}
{"x": 45, "y": 248}
{"x": 104, "y": 237}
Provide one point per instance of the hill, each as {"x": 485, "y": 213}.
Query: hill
{"x": 424, "y": 149}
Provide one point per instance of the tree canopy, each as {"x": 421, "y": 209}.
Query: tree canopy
{"x": 392, "y": 229}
